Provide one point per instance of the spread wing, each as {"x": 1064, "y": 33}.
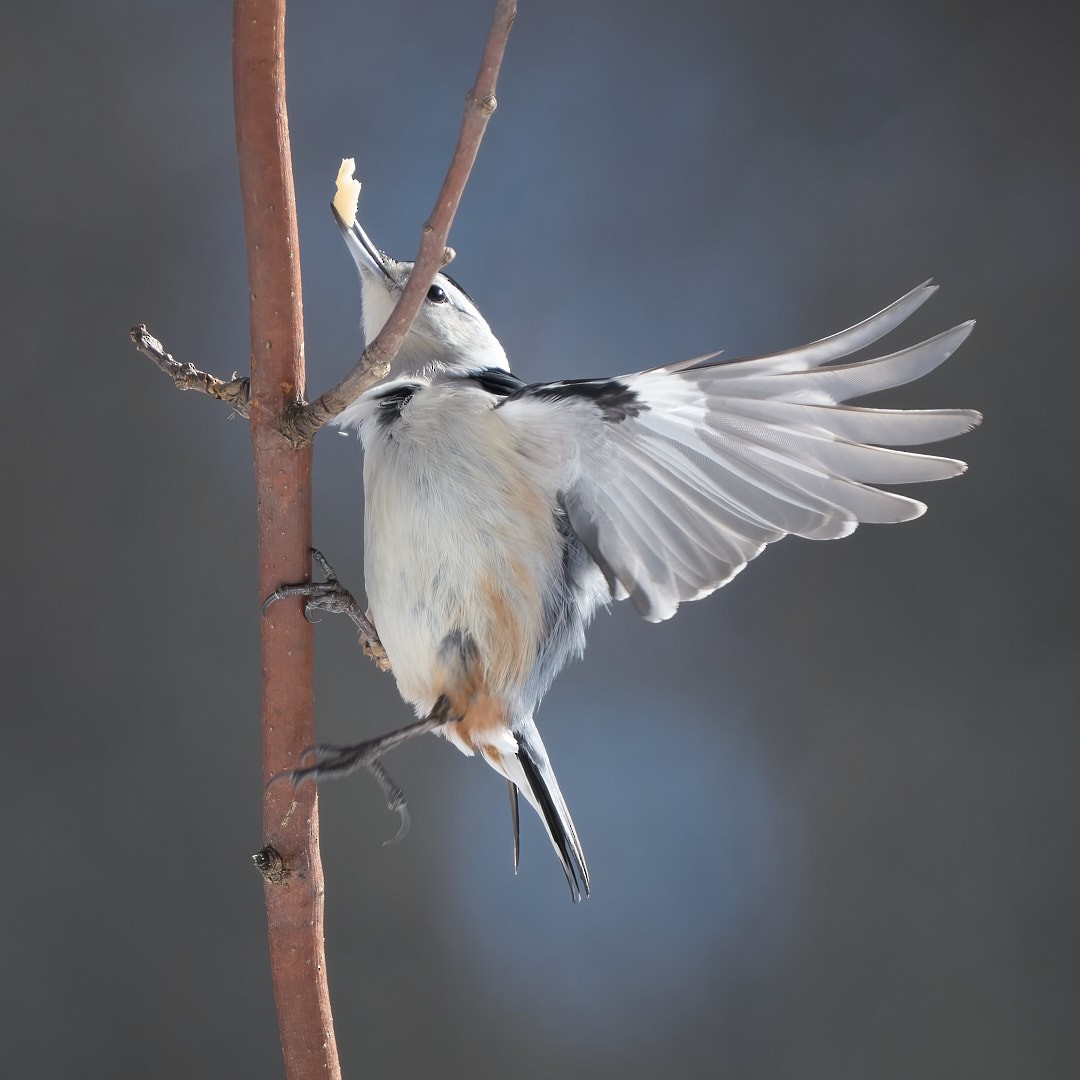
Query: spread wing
{"x": 675, "y": 478}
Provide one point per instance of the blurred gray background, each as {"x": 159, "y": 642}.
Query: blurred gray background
{"x": 830, "y": 812}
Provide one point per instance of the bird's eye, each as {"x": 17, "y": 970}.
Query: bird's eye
{"x": 437, "y": 294}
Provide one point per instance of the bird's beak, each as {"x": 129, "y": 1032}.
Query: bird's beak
{"x": 365, "y": 254}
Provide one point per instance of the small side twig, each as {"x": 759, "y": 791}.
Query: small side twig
{"x": 235, "y": 392}
{"x": 300, "y": 424}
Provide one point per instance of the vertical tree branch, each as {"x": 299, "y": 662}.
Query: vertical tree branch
{"x": 294, "y": 888}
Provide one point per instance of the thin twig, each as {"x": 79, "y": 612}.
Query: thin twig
{"x": 235, "y": 392}
{"x": 293, "y": 894}
{"x": 301, "y": 424}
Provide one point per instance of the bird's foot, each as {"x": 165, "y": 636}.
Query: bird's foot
{"x": 328, "y": 761}
{"x": 330, "y": 595}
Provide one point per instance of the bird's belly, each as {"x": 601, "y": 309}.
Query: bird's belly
{"x": 461, "y": 552}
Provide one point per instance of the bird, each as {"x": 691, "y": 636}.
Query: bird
{"x": 501, "y": 515}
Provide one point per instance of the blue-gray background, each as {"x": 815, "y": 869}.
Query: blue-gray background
{"x": 830, "y": 812}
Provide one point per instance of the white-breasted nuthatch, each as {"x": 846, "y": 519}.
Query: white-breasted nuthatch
{"x": 500, "y": 515}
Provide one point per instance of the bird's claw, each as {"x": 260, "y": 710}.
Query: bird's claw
{"x": 273, "y": 598}
{"x": 403, "y": 828}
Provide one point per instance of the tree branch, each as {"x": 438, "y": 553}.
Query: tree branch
{"x": 294, "y": 890}
{"x": 282, "y": 428}
{"x": 234, "y": 392}
{"x": 300, "y": 425}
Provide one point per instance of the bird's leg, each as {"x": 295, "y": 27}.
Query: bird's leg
{"x": 334, "y": 761}
{"x": 330, "y": 595}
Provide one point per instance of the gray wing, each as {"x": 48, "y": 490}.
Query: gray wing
{"x": 675, "y": 478}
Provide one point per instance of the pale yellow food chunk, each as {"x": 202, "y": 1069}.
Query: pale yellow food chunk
{"x": 347, "y": 196}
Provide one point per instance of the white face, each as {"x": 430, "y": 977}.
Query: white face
{"x": 449, "y": 330}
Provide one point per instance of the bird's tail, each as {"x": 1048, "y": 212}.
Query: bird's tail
{"x": 529, "y": 771}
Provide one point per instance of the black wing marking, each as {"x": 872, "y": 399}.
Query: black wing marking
{"x": 615, "y": 400}
{"x": 392, "y": 402}
{"x": 497, "y": 381}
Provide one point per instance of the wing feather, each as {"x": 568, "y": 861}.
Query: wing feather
{"x": 675, "y": 478}
{"x": 828, "y": 385}
{"x": 847, "y": 341}
{"x": 885, "y": 427}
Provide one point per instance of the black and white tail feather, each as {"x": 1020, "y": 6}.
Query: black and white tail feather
{"x": 531, "y": 774}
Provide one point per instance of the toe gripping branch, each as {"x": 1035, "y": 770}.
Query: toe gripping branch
{"x": 324, "y": 761}
{"x": 330, "y": 595}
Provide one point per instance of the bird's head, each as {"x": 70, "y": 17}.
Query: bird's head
{"x": 449, "y": 331}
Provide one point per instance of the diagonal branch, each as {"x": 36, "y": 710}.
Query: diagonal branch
{"x": 301, "y": 424}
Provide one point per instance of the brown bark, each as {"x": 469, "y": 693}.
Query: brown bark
{"x": 294, "y": 891}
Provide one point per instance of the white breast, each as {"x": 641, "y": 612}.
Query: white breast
{"x": 458, "y": 539}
